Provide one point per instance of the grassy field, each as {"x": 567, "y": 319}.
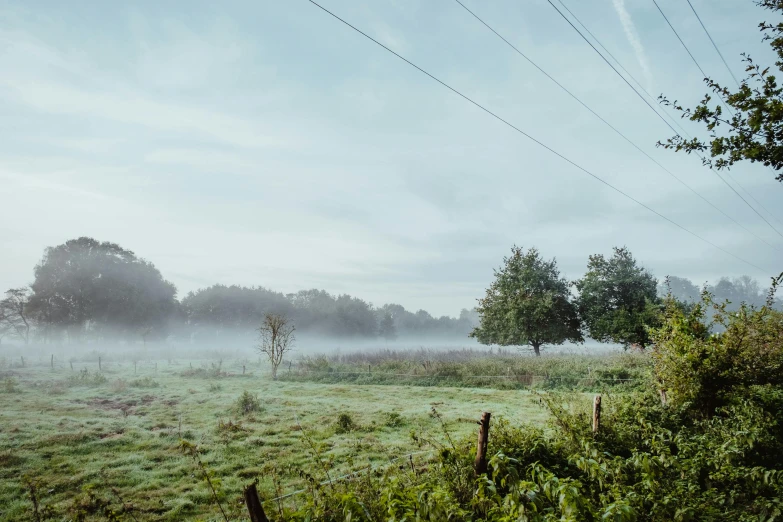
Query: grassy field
{"x": 89, "y": 441}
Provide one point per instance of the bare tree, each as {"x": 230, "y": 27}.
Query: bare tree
{"x": 13, "y": 313}
{"x": 276, "y": 338}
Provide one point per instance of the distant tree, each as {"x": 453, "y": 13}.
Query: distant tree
{"x": 679, "y": 288}
{"x": 276, "y": 338}
{"x": 755, "y": 130}
{"x": 386, "y": 328}
{"x": 15, "y": 317}
{"x": 527, "y": 304}
{"x": 353, "y": 317}
{"x": 618, "y": 299}
{"x": 85, "y": 282}
{"x": 220, "y": 310}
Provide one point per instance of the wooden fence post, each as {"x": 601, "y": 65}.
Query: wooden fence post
{"x": 22, "y": 356}
{"x": 243, "y": 369}
{"x": 480, "y": 465}
{"x": 99, "y": 364}
{"x": 71, "y": 365}
{"x": 596, "y": 413}
{"x": 52, "y": 363}
{"x": 254, "y": 504}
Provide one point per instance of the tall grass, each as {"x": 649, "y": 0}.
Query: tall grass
{"x": 503, "y": 369}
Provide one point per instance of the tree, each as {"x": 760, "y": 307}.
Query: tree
{"x": 679, "y": 288}
{"x": 276, "y": 338}
{"x": 14, "y": 314}
{"x": 386, "y": 328}
{"x": 618, "y": 299}
{"x": 527, "y": 304}
{"x": 755, "y": 131}
{"x": 85, "y": 284}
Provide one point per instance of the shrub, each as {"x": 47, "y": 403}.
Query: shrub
{"x": 393, "y": 419}
{"x": 144, "y": 382}
{"x": 9, "y": 385}
{"x": 705, "y": 369}
{"x": 87, "y": 378}
{"x": 247, "y": 403}
{"x": 345, "y": 423}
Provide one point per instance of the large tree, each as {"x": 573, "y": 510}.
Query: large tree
{"x": 754, "y": 132}
{"x": 528, "y": 303}
{"x": 618, "y": 299}
{"x": 88, "y": 285}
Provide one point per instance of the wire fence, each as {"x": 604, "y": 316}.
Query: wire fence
{"x": 511, "y": 376}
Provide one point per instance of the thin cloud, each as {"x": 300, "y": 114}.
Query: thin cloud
{"x": 633, "y": 39}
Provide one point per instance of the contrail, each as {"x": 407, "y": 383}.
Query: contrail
{"x": 633, "y": 39}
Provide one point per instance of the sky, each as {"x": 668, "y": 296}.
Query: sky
{"x": 266, "y": 143}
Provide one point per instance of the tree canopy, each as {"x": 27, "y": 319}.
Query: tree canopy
{"x": 754, "y": 132}
{"x": 618, "y": 299}
{"x": 85, "y": 284}
{"x": 528, "y": 303}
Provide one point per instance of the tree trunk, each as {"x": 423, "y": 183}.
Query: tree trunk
{"x": 537, "y": 349}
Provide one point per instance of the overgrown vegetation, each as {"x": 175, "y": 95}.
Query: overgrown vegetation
{"x": 712, "y": 451}
{"x": 500, "y": 369}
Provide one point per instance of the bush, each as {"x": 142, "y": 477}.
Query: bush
{"x": 706, "y": 369}
{"x": 247, "y": 403}
{"x": 345, "y": 423}
{"x": 145, "y": 382}
{"x": 393, "y": 420}
{"x": 9, "y": 385}
{"x": 87, "y": 378}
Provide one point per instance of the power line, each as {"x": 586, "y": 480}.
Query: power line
{"x": 717, "y": 49}
{"x": 713, "y": 43}
{"x": 721, "y": 98}
{"x": 659, "y": 115}
{"x": 613, "y": 67}
{"x": 619, "y": 133}
{"x": 704, "y": 74}
{"x": 619, "y": 63}
{"x": 531, "y": 138}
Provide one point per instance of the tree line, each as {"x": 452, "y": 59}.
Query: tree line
{"x": 87, "y": 290}
{"x": 617, "y": 301}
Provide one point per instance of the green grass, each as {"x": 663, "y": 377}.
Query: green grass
{"x": 78, "y": 433}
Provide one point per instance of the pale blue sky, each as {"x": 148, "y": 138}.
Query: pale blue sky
{"x": 264, "y": 143}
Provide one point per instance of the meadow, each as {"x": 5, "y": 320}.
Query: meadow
{"x": 87, "y": 443}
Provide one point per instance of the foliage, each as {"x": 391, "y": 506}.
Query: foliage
{"x": 707, "y": 369}
{"x": 344, "y": 423}
{"x": 15, "y": 320}
{"x": 499, "y": 369}
{"x": 393, "y": 420}
{"x": 753, "y": 132}
{"x": 86, "y": 378}
{"x": 527, "y": 304}
{"x": 145, "y": 382}
{"x": 9, "y": 385}
{"x": 247, "y": 403}
{"x": 87, "y": 286}
{"x": 618, "y": 299}
{"x": 386, "y": 328}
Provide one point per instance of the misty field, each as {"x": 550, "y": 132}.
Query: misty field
{"x": 82, "y": 441}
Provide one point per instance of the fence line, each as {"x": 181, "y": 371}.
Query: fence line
{"x": 507, "y": 376}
